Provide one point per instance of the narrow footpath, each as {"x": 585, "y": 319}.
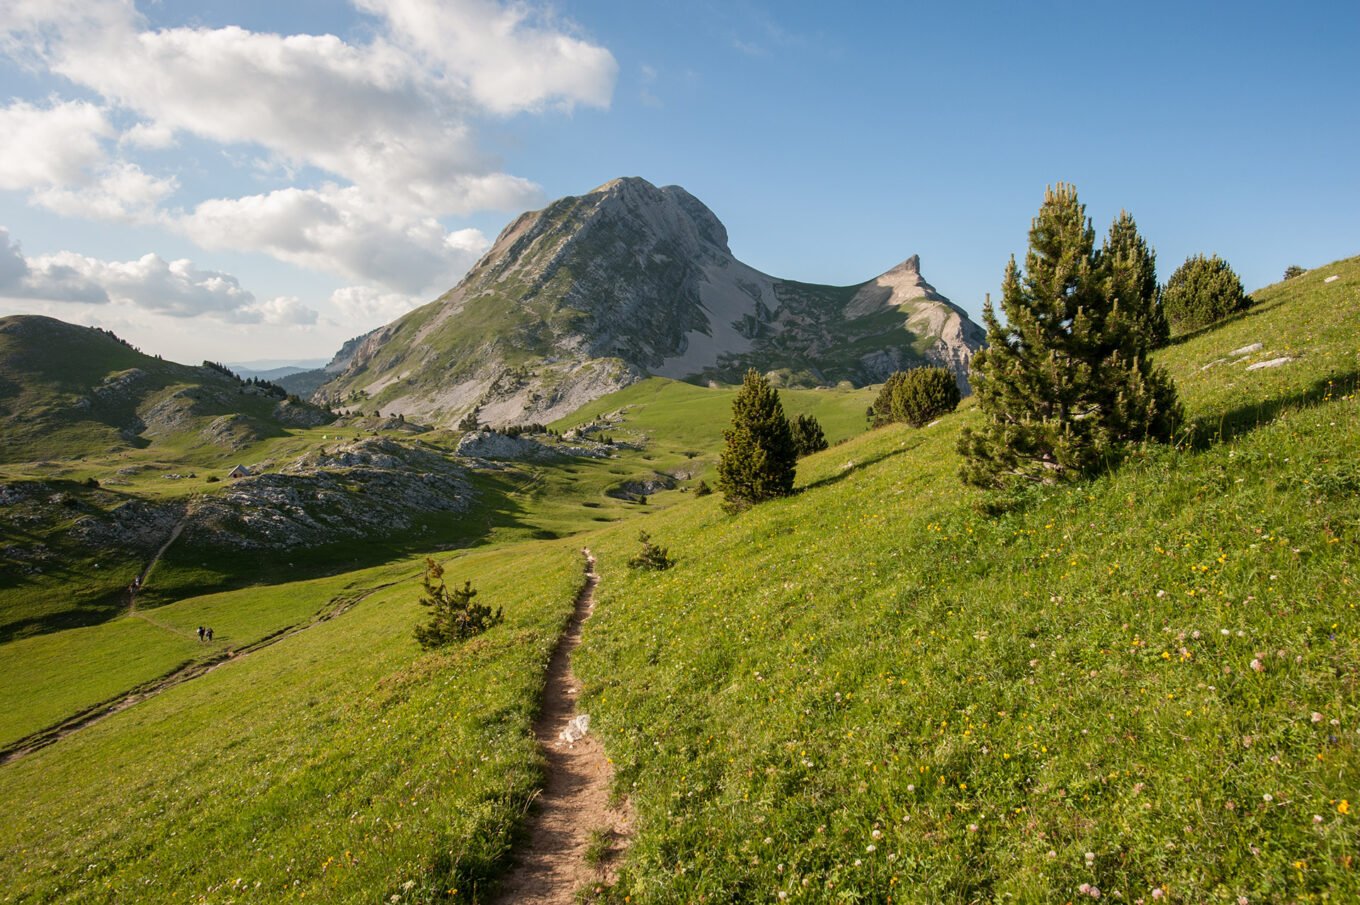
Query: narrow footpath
{"x": 575, "y": 835}
{"x": 140, "y": 582}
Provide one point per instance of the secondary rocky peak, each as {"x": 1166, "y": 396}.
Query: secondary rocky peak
{"x": 893, "y": 288}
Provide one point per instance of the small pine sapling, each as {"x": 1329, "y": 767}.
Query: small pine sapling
{"x": 453, "y": 615}
{"x": 651, "y": 557}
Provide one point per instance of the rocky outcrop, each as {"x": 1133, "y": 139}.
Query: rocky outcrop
{"x": 498, "y": 446}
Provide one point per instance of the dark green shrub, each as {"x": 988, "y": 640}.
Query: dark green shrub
{"x": 1201, "y": 292}
{"x": 651, "y": 557}
{"x": 703, "y": 489}
{"x": 453, "y": 615}
{"x": 925, "y": 394}
{"x": 917, "y": 397}
{"x": 1293, "y": 270}
{"x": 808, "y": 437}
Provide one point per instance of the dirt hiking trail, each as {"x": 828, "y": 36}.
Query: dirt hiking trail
{"x": 574, "y": 833}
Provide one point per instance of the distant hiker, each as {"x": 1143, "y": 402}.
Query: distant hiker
{"x": 210, "y": 633}
{"x": 201, "y": 632}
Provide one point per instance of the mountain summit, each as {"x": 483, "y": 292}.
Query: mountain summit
{"x": 594, "y": 292}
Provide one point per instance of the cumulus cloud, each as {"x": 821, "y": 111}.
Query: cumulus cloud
{"x": 389, "y": 119}
{"x": 368, "y": 307}
{"x": 121, "y": 191}
{"x": 57, "y": 153}
{"x": 175, "y": 288}
{"x": 412, "y": 89}
{"x": 286, "y": 311}
{"x": 505, "y": 58}
{"x": 43, "y": 279}
{"x": 178, "y": 288}
{"x": 50, "y": 146}
{"x": 341, "y": 230}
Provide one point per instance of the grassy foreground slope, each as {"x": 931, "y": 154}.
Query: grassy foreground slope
{"x": 341, "y": 764}
{"x": 1147, "y": 683}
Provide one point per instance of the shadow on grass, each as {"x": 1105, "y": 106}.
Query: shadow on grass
{"x": 1206, "y": 431}
{"x": 1253, "y": 311}
{"x": 861, "y": 465}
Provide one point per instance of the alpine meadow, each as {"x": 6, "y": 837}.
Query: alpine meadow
{"x": 386, "y": 516}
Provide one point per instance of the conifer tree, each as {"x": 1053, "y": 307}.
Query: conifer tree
{"x": 1066, "y": 384}
{"x": 808, "y": 436}
{"x": 759, "y": 459}
{"x": 1132, "y": 276}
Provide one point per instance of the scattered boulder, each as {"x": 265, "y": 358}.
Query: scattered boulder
{"x": 1272, "y": 363}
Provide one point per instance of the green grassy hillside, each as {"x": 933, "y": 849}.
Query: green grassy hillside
{"x": 69, "y": 391}
{"x": 340, "y": 765}
{"x": 870, "y": 691}
{"x": 874, "y": 691}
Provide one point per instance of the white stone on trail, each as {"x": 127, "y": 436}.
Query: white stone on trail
{"x": 1333, "y": 278}
{"x": 1246, "y": 350}
{"x": 576, "y": 729}
{"x": 1273, "y": 363}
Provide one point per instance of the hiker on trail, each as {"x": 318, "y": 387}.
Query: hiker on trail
{"x": 209, "y": 633}
{"x": 201, "y": 631}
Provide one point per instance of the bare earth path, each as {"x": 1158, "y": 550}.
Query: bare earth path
{"x": 141, "y": 579}
{"x": 573, "y": 814}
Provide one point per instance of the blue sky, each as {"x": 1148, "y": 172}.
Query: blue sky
{"x": 262, "y": 180}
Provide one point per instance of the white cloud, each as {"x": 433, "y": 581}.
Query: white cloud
{"x": 43, "y": 279}
{"x": 286, "y": 310}
{"x": 122, "y": 191}
{"x": 57, "y": 153}
{"x": 175, "y": 288}
{"x": 390, "y": 118}
{"x": 340, "y": 230}
{"x": 390, "y": 115}
{"x": 152, "y": 136}
{"x": 50, "y": 146}
{"x": 367, "y": 307}
{"x": 505, "y": 58}
{"x": 172, "y": 288}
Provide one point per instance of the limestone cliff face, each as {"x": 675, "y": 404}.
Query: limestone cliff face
{"x": 597, "y": 291}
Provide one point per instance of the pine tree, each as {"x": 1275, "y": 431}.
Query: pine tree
{"x": 1066, "y": 384}
{"x": 1132, "y": 281}
{"x": 881, "y": 411}
{"x": 453, "y": 615}
{"x": 759, "y": 459}
{"x": 808, "y": 436}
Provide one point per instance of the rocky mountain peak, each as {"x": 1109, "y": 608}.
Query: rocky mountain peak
{"x": 598, "y": 290}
